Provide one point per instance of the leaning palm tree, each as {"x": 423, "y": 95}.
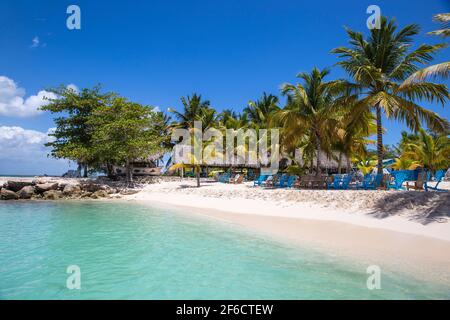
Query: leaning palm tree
{"x": 309, "y": 112}
{"x": 441, "y": 69}
{"x": 379, "y": 65}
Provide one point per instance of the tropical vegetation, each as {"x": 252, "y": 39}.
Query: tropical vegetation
{"x": 318, "y": 117}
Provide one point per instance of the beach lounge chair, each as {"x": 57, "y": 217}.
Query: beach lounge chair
{"x": 375, "y": 183}
{"x": 336, "y": 183}
{"x": 368, "y": 178}
{"x": 222, "y": 178}
{"x": 438, "y": 176}
{"x": 419, "y": 183}
{"x": 399, "y": 178}
{"x": 270, "y": 181}
{"x": 260, "y": 180}
{"x": 291, "y": 181}
{"x": 281, "y": 183}
{"x": 370, "y": 182}
{"x": 346, "y": 181}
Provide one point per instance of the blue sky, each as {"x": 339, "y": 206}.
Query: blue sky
{"x": 154, "y": 52}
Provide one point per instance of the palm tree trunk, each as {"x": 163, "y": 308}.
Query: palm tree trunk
{"x": 129, "y": 173}
{"x": 339, "y": 163}
{"x": 198, "y": 177}
{"x": 79, "y": 170}
{"x": 318, "y": 146}
{"x": 380, "y": 150}
{"x": 85, "y": 171}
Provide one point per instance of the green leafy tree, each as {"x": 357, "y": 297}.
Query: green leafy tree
{"x": 379, "y": 65}
{"x": 124, "y": 132}
{"x": 73, "y": 134}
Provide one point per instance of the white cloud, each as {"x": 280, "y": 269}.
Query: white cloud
{"x": 35, "y": 42}
{"x": 13, "y": 103}
{"x": 73, "y": 87}
{"x": 22, "y": 151}
{"x": 18, "y": 143}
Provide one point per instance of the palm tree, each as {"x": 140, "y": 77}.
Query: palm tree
{"x": 444, "y": 19}
{"x": 310, "y": 112}
{"x": 429, "y": 151}
{"x": 379, "y": 65}
{"x": 260, "y": 111}
{"x": 231, "y": 120}
{"x": 365, "y": 163}
{"x": 440, "y": 69}
{"x": 350, "y": 137}
{"x": 405, "y": 163}
{"x": 194, "y": 109}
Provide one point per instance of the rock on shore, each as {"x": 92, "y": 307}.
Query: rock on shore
{"x": 50, "y": 189}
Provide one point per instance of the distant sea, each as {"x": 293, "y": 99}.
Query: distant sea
{"x": 23, "y": 175}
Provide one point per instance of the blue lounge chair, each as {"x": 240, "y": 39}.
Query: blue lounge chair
{"x": 366, "y": 181}
{"x": 370, "y": 182}
{"x": 399, "y": 178}
{"x": 375, "y": 183}
{"x": 281, "y": 183}
{"x": 225, "y": 177}
{"x": 438, "y": 176}
{"x": 260, "y": 180}
{"x": 337, "y": 181}
{"x": 346, "y": 179}
{"x": 269, "y": 181}
{"x": 291, "y": 181}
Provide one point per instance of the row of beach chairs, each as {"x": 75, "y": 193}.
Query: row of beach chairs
{"x": 396, "y": 180}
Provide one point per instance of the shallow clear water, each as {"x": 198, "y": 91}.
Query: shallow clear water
{"x": 128, "y": 251}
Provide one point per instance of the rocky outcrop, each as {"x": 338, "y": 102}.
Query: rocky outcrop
{"x": 26, "y": 192}
{"x": 16, "y": 185}
{"x": 91, "y": 187}
{"x": 72, "y": 189}
{"x": 6, "y": 194}
{"x": 43, "y": 187}
{"x": 52, "y": 195}
{"x": 100, "y": 194}
{"x": 50, "y": 189}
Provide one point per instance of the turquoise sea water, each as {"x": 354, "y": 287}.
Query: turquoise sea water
{"x": 129, "y": 251}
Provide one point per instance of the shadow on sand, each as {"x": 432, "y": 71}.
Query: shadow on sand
{"x": 423, "y": 207}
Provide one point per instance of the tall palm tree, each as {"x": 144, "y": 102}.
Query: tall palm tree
{"x": 194, "y": 109}
{"x": 260, "y": 111}
{"x": 309, "y": 112}
{"x": 379, "y": 65}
